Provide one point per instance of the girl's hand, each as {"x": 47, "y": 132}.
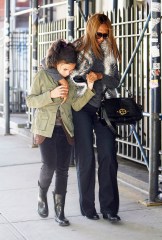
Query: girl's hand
{"x": 61, "y": 91}
{"x": 64, "y": 99}
{"x": 64, "y": 83}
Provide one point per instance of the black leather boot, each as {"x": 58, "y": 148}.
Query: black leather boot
{"x": 59, "y": 203}
{"x": 42, "y": 202}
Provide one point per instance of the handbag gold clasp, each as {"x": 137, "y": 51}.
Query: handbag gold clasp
{"x": 122, "y": 111}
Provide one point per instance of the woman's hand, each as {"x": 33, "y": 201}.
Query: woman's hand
{"x": 90, "y": 84}
{"x": 61, "y": 91}
{"x": 93, "y": 76}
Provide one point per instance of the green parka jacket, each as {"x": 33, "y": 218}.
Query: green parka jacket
{"x": 46, "y": 108}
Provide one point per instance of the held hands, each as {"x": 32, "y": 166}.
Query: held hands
{"x": 90, "y": 84}
{"x": 60, "y": 91}
{"x": 92, "y": 77}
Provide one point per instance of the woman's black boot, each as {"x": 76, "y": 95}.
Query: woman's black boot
{"x": 42, "y": 202}
{"x": 59, "y": 203}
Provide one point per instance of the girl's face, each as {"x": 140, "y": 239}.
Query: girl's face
{"x": 102, "y": 33}
{"x": 65, "y": 69}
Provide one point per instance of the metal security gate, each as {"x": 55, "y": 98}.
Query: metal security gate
{"x": 128, "y": 28}
{"x": 19, "y": 67}
{"x": 47, "y": 33}
{"x": 128, "y": 25}
{"x": 2, "y": 73}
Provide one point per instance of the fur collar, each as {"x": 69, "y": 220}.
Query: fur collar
{"x": 84, "y": 65}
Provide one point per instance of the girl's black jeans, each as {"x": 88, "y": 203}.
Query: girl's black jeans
{"x": 55, "y": 156}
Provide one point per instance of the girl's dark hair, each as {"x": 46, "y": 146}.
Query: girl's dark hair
{"x": 60, "y": 51}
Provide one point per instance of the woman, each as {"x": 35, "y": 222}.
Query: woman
{"x": 52, "y": 123}
{"x": 97, "y": 62}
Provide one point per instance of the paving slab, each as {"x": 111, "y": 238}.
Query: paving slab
{"x": 19, "y": 170}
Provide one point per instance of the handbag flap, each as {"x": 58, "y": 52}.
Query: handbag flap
{"x": 125, "y": 108}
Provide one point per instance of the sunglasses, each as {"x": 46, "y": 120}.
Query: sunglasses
{"x": 101, "y": 35}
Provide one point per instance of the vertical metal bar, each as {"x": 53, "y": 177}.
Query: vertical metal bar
{"x": 70, "y": 38}
{"x": 80, "y": 10}
{"x": 155, "y": 99}
{"x": 29, "y": 72}
{"x": 135, "y": 86}
{"x": 115, "y": 4}
{"x": 70, "y": 21}
{"x": 7, "y": 67}
{"x": 34, "y": 43}
{"x": 127, "y": 57}
{"x": 124, "y": 64}
{"x": 45, "y": 11}
{"x": 147, "y": 92}
{"x": 51, "y": 12}
{"x": 132, "y": 44}
{"x": 34, "y": 37}
{"x": 115, "y": 7}
{"x": 12, "y": 70}
{"x": 141, "y": 80}
{"x": 86, "y": 9}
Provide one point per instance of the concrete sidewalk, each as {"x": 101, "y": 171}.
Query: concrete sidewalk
{"x": 19, "y": 170}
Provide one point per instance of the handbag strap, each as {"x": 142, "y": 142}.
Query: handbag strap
{"x": 104, "y": 92}
{"x": 127, "y": 90}
{"x": 107, "y": 90}
{"x": 109, "y": 123}
{"x": 112, "y": 128}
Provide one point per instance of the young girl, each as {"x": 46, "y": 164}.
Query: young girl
{"x": 52, "y": 123}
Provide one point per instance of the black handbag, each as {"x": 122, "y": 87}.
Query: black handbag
{"x": 119, "y": 111}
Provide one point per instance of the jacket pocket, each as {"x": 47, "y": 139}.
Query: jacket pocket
{"x": 41, "y": 122}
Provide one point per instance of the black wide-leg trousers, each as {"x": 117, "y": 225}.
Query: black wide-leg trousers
{"x": 85, "y": 125}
